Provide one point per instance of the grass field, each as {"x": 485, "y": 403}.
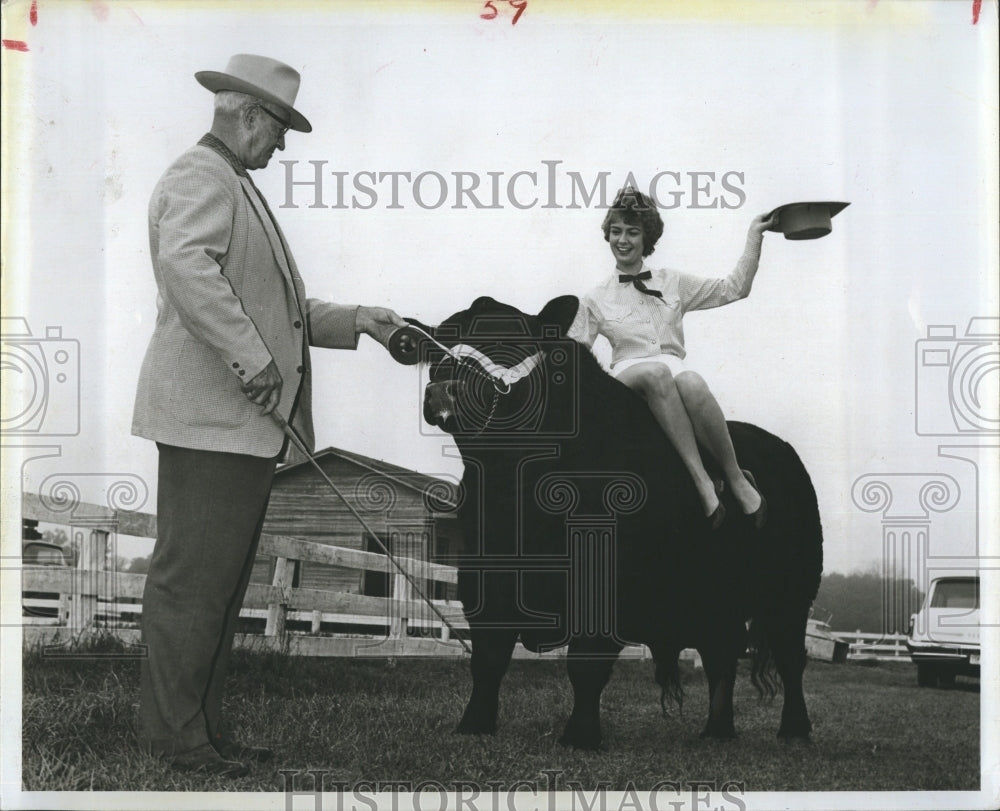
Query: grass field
{"x": 379, "y": 720}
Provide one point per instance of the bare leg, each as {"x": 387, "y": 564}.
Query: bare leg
{"x": 655, "y": 383}
{"x": 710, "y": 427}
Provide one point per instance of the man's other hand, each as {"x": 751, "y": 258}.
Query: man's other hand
{"x": 265, "y": 389}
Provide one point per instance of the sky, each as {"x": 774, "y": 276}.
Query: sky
{"x": 888, "y": 106}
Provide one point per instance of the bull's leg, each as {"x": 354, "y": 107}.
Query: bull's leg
{"x": 787, "y": 634}
{"x": 589, "y": 662}
{"x": 720, "y": 669}
{"x": 491, "y": 652}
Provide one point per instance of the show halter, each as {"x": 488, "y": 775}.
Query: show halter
{"x": 502, "y": 377}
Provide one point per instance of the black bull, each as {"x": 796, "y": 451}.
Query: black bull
{"x": 582, "y": 528}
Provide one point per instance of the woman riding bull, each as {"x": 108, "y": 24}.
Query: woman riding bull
{"x": 643, "y": 324}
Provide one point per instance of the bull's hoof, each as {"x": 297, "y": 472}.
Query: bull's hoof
{"x": 467, "y": 727}
{"x": 581, "y": 736}
{"x": 719, "y": 732}
{"x": 592, "y": 744}
{"x": 791, "y": 731}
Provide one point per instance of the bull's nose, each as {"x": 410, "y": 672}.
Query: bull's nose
{"x": 439, "y": 402}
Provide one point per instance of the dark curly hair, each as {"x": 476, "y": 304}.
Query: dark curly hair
{"x": 635, "y": 208}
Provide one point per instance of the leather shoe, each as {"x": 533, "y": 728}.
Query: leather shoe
{"x": 717, "y": 517}
{"x": 234, "y": 750}
{"x": 758, "y": 516}
{"x": 205, "y": 760}
{"x": 719, "y": 514}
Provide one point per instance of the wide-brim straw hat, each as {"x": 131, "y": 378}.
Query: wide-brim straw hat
{"x": 806, "y": 220}
{"x": 264, "y": 78}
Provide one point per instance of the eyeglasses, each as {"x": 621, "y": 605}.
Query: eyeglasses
{"x": 284, "y": 124}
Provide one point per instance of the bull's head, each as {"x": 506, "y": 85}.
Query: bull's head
{"x": 494, "y": 370}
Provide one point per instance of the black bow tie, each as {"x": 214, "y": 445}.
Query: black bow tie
{"x": 637, "y": 281}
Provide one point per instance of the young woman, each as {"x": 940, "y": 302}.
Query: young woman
{"x": 640, "y": 312}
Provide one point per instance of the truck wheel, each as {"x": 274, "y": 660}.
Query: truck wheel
{"x": 946, "y": 677}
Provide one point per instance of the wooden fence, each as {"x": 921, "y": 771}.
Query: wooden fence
{"x": 884, "y": 647}
{"x": 62, "y": 603}
{"x": 89, "y": 597}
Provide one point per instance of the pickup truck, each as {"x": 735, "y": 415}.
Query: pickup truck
{"x": 943, "y": 638}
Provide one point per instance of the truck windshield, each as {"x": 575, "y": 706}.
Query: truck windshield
{"x": 956, "y": 594}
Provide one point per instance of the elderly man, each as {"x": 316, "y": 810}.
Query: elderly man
{"x": 230, "y": 346}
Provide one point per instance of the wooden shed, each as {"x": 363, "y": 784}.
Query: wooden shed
{"x": 410, "y": 512}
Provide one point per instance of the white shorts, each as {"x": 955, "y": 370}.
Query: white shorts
{"x": 675, "y": 364}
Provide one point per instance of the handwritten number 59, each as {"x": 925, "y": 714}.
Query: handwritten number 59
{"x": 490, "y": 11}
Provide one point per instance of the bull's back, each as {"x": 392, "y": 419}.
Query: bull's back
{"x": 791, "y": 544}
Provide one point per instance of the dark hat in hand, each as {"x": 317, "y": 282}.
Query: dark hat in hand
{"x": 805, "y": 220}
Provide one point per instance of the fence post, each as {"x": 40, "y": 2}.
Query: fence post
{"x": 277, "y": 613}
{"x": 93, "y": 554}
{"x": 445, "y": 629}
{"x": 317, "y": 621}
{"x": 401, "y": 593}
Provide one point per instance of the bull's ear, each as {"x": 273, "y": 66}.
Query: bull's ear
{"x": 560, "y": 311}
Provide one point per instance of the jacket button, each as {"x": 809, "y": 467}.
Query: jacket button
{"x": 242, "y": 372}
{"x": 300, "y": 369}
{"x": 298, "y": 325}
{"x": 236, "y": 364}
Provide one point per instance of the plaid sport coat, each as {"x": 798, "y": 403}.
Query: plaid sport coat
{"x": 230, "y": 300}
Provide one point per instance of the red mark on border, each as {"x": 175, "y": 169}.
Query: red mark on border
{"x": 18, "y": 44}
{"x": 977, "y": 6}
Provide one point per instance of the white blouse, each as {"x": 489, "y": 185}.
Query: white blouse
{"x": 639, "y": 325}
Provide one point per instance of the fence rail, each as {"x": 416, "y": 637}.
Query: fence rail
{"x": 89, "y": 596}
{"x": 874, "y": 646}
{"x": 60, "y": 603}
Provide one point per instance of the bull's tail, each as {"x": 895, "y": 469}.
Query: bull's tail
{"x": 668, "y": 676}
{"x": 763, "y": 669}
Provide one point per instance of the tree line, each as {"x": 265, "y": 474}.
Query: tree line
{"x": 857, "y": 601}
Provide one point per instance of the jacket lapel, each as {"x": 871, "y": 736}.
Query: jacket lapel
{"x": 278, "y": 245}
